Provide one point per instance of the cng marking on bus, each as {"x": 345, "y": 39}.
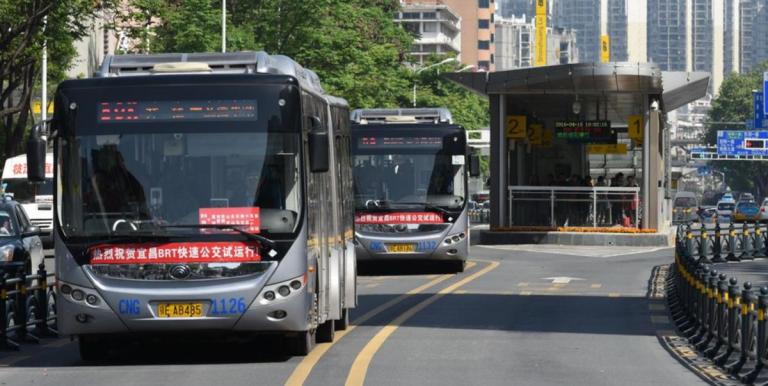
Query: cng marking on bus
{"x": 357, "y": 373}
{"x": 304, "y": 368}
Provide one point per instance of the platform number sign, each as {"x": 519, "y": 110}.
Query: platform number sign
{"x": 515, "y": 126}
{"x": 635, "y": 127}
{"x": 536, "y": 134}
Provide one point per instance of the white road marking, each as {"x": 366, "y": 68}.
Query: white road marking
{"x": 561, "y": 279}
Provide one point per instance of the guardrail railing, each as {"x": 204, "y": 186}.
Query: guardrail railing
{"x": 573, "y": 206}
{"x": 27, "y": 306}
{"x": 726, "y": 323}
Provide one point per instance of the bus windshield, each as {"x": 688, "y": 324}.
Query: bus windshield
{"x": 136, "y": 183}
{"x": 395, "y": 171}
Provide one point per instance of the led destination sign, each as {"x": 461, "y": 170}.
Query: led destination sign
{"x": 187, "y": 110}
{"x": 400, "y": 142}
{"x": 585, "y": 131}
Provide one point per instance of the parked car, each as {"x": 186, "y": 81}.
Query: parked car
{"x": 746, "y": 211}
{"x": 685, "y": 208}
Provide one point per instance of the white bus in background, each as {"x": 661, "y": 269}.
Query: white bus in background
{"x": 36, "y": 198}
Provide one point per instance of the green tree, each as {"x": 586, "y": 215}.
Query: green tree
{"x": 23, "y": 31}
{"x": 734, "y": 104}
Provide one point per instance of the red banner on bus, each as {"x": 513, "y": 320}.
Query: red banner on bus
{"x": 246, "y": 216}
{"x": 170, "y": 253}
{"x": 399, "y": 218}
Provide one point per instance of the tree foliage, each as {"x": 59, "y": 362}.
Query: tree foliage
{"x": 23, "y": 31}
{"x": 734, "y": 104}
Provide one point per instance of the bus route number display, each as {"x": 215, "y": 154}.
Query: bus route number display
{"x": 585, "y": 131}
{"x": 400, "y": 142}
{"x": 176, "y": 110}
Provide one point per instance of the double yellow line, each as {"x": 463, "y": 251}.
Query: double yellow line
{"x": 363, "y": 360}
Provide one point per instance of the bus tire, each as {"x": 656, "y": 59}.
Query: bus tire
{"x": 92, "y": 349}
{"x": 300, "y": 344}
{"x": 326, "y": 332}
{"x": 343, "y": 322}
{"x": 457, "y": 266}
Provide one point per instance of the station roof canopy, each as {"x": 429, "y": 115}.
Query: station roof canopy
{"x": 623, "y": 83}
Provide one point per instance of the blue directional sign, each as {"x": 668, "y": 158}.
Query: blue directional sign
{"x": 759, "y": 106}
{"x": 739, "y": 143}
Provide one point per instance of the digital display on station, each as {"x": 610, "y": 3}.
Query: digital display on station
{"x": 754, "y": 143}
{"x": 176, "y": 110}
{"x": 400, "y": 142}
{"x": 585, "y": 131}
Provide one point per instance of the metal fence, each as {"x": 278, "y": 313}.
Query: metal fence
{"x": 727, "y": 324}
{"x": 573, "y": 206}
{"x": 27, "y": 305}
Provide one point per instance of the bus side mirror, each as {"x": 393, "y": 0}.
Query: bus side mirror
{"x": 36, "y": 146}
{"x": 474, "y": 165}
{"x": 318, "y": 147}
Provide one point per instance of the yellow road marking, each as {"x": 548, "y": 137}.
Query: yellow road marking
{"x": 614, "y": 295}
{"x": 657, "y": 307}
{"x": 526, "y": 293}
{"x": 659, "y": 319}
{"x": 357, "y": 373}
{"x": 304, "y": 368}
{"x": 522, "y": 284}
{"x": 596, "y": 286}
{"x": 559, "y": 285}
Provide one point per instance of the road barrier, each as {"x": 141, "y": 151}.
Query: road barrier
{"x": 27, "y": 306}
{"x": 725, "y": 323}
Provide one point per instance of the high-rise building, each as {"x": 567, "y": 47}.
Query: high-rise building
{"x": 517, "y": 8}
{"x": 753, "y": 32}
{"x": 583, "y": 16}
{"x": 477, "y": 29}
{"x": 516, "y": 38}
{"x": 436, "y": 27}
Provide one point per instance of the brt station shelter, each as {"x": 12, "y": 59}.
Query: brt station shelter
{"x": 553, "y": 126}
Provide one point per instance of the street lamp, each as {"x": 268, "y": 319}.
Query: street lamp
{"x": 223, "y": 25}
{"x": 449, "y": 60}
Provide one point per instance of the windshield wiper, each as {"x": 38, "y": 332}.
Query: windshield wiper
{"x": 237, "y": 228}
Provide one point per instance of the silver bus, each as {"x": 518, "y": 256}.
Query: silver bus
{"x": 200, "y": 193}
{"x": 410, "y": 169}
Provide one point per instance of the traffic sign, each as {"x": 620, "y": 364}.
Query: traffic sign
{"x": 515, "y": 126}
{"x": 536, "y": 134}
{"x": 742, "y": 143}
{"x": 758, "y": 105}
{"x": 635, "y": 127}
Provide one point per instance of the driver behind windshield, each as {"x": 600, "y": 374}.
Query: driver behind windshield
{"x": 115, "y": 188}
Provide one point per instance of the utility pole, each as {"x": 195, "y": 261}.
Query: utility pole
{"x": 44, "y": 96}
{"x": 223, "y": 25}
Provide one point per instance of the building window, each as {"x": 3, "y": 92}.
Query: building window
{"x": 483, "y": 65}
{"x": 413, "y": 28}
{"x": 483, "y": 24}
{"x": 411, "y": 15}
{"x": 493, "y": 59}
{"x": 429, "y": 15}
{"x": 483, "y": 3}
{"x": 493, "y": 38}
{"x": 430, "y": 27}
{"x": 483, "y": 45}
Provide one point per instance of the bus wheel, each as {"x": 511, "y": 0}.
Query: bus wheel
{"x": 301, "y": 344}
{"x": 92, "y": 349}
{"x": 343, "y": 322}
{"x": 457, "y": 266}
{"x": 326, "y": 332}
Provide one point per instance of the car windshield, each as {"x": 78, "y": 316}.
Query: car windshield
{"x": 406, "y": 171}
{"x": 25, "y": 192}
{"x": 145, "y": 182}
{"x": 685, "y": 202}
{"x": 7, "y": 227}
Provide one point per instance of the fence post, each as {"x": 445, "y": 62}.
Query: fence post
{"x": 746, "y": 245}
{"x": 732, "y": 243}
{"x": 704, "y": 246}
{"x": 759, "y": 250}
{"x": 733, "y": 318}
{"x": 42, "y": 301}
{"x": 717, "y": 247}
{"x": 762, "y": 303}
{"x": 552, "y": 208}
{"x": 746, "y": 330}
{"x": 718, "y": 318}
{"x": 709, "y": 308}
{"x": 689, "y": 240}
{"x": 700, "y": 305}
{"x": 594, "y": 207}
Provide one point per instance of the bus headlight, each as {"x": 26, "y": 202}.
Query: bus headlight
{"x": 6, "y": 252}
{"x": 455, "y": 238}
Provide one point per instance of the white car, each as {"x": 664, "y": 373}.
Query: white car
{"x": 764, "y": 210}
{"x": 37, "y": 199}
{"x": 725, "y": 210}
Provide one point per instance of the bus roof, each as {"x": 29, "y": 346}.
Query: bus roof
{"x": 247, "y": 62}
{"x": 16, "y": 167}
{"x": 415, "y": 115}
